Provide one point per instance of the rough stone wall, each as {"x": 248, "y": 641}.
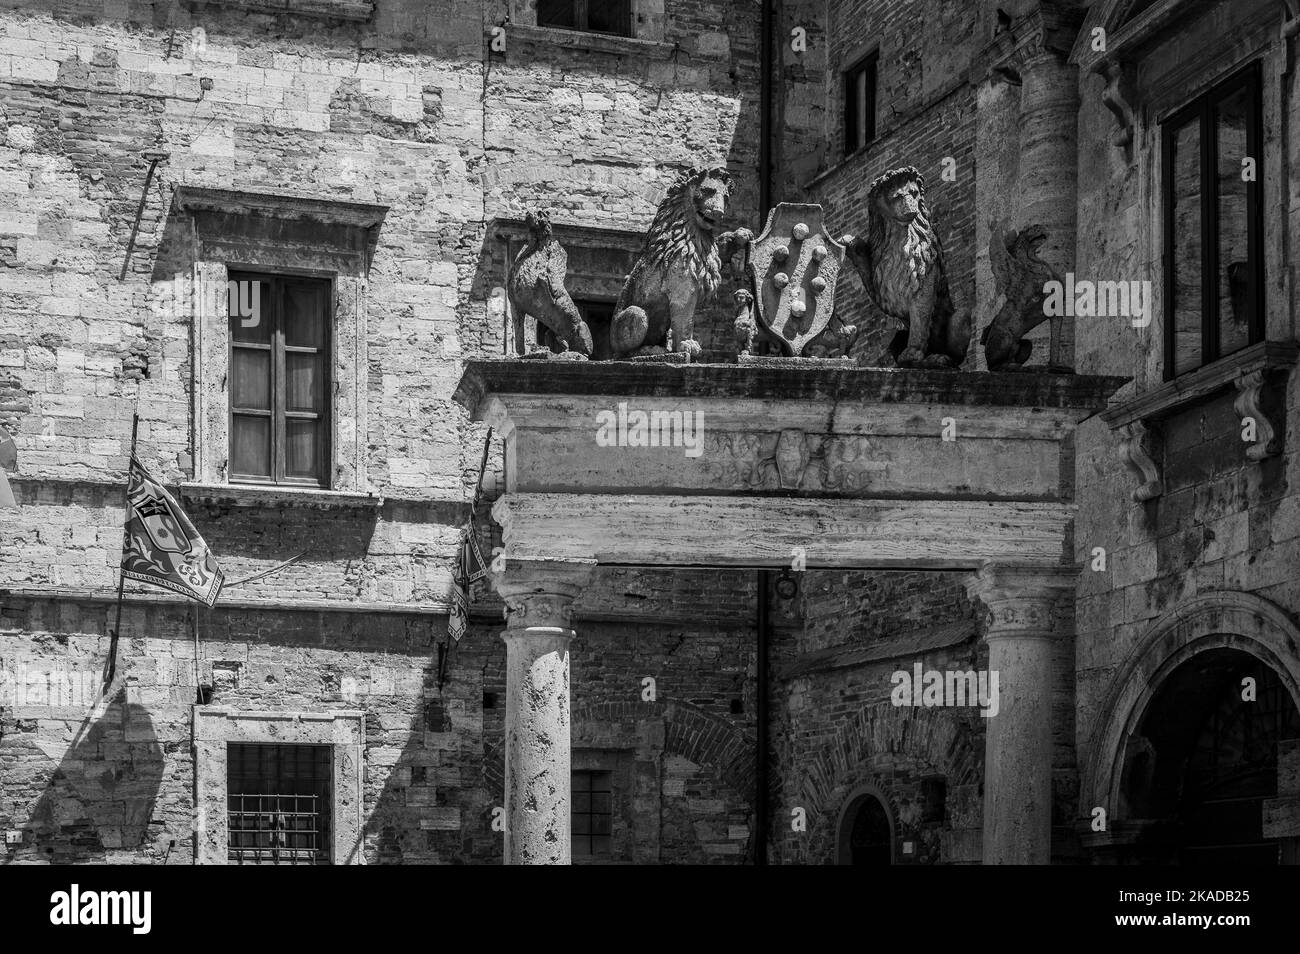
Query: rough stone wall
{"x": 1223, "y": 521}
{"x": 408, "y": 110}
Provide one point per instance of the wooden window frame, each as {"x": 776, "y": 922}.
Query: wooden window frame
{"x": 277, "y": 413}
{"x": 1201, "y": 111}
{"x": 869, "y": 64}
{"x": 582, "y": 16}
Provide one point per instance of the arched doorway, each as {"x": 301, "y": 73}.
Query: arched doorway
{"x": 866, "y": 830}
{"x": 1203, "y": 760}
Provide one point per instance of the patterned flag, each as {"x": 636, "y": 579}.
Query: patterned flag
{"x": 8, "y": 461}
{"x": 458, "y": 618}
{"x": 162, "y": 547}
{"x": 478, "y": 565}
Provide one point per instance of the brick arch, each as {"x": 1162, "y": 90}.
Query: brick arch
{"x": 689, "y": 732}
{"x": 1223, "y": 619}
{"x": 931, "y": 737}
{"x": 709, "y": 740}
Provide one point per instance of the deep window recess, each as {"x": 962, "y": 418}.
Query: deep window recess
{"x": 279, "y": 379}
{"x": 593, "y": 814}
{"x": 1213, "y": 228}
{"x": 860, "y": 104}
{"x": 278, "y": 803}
{"x": 591, "y": 16}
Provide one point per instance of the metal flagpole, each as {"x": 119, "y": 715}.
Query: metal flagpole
{"x": 111, "y": 668}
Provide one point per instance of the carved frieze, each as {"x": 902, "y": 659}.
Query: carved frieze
{"x": 795, "y": 460}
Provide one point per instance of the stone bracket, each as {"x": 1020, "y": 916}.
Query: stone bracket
{"x": 1140, "y": 455}
{"x": 1253, "y": 372}
{"x": 1118, "y": 97}
{"x": 1249, "y": 403}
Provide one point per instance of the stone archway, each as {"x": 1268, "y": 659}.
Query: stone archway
{"x": 1216, "y": 620}
{"x": 857, "y": 814}
{"x": 866, "y": 747}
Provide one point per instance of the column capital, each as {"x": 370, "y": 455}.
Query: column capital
{"x": 541, "y": 592}
{"x": 1043, "y": 35}
{"x": 1021, "y": 598}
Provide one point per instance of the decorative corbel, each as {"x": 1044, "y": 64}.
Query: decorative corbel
{"x": 1249, "y": 403}
{"x": 1140, "y": 457}
{"x": 1117, "y": 95}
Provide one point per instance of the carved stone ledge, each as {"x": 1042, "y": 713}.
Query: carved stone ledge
{"x": 1253, "y": 371}
{"x": 278, "y": 496}
{"x": 323, "y": 9}
{"x": 552, "y": 38}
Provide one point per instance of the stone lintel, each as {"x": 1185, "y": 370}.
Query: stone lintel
{"x": 758, "y": 531}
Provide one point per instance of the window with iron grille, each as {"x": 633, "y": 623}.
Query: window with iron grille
{"x": 593, "y": 814}
{"x": 1213, "y": 225}
{"x": 278, "y": 803}
{"x": 590, "y": 16}
{"x": 860, "y": 104}
{"x": 279, "y": 378}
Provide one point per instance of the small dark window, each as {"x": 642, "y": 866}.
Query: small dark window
{"x": 593, "y": 814}
{"x": 590, "y": 16}
{"x": 860, "y": 104}
{"x": 278, "y": 804}
{"x": 279, "y": 379}
{"x": 1213, "y": 228}
{"x": 934, "y": 797}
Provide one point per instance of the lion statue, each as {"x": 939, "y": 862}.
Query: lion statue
{"x": 680, "y": 268}
{"x": 1020, "y": 274}
{"x": 900, "y": 262}
{"x": 537, "y": 289}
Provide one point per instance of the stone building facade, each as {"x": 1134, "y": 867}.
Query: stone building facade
{"x": 374, "y": 161}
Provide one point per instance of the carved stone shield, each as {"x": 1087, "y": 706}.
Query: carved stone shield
{"x": 794, "y": 265}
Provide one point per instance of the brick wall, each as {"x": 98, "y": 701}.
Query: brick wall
{"x": 837, "y": 729}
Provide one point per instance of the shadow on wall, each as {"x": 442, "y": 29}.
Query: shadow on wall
{"x": 100, "y": 799}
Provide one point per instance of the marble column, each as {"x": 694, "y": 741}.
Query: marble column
{"x": 539, "y": 601}
{"x": 1049, "y": 169}
{"x": 1021, "y": 601}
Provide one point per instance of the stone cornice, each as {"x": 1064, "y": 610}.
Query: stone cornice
{"x": 572, "y": 234}
{"x": 482, "y": 378}
{"x": 358, "y": 10}
{"x": 285, "y": 205}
